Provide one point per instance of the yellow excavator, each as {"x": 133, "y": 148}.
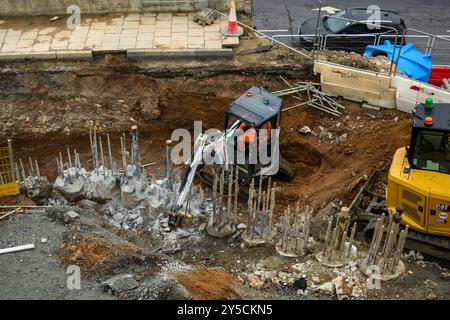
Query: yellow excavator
{"x": 418, "y": 185}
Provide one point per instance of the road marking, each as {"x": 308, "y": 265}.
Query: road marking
{"x": 329, "y": 10}
{"x": 274, "y": 30}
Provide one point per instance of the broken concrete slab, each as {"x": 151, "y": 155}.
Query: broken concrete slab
{"x": 121, "y": 283}
{"x": 71, "y": 215}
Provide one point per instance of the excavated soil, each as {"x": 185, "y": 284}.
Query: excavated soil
{"x": 206, "y": 284}
{"x": 95, "y": 254}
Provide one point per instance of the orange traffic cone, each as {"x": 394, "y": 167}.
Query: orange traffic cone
{"x": 232, "y": 21}
{"x": 232, "y": 29}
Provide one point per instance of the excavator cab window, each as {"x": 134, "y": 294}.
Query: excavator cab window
{"x": 430, "y": 150}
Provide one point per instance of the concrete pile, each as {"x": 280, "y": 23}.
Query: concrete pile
{"x": 223, "y": 220}
{"x": 338, "y": 248}
{"x": 37, "y": 187}
{"x": 127, "y": 192}
{"x": 383, "y": 261}
{"x": 261, "y": 206}
{"x": 295, "y": 239}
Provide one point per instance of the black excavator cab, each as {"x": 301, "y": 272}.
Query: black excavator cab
{"x": 430, "y": 140}
{"x": 256, "y": 117}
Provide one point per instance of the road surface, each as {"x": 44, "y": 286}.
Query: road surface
{"x": 427, "y": 15}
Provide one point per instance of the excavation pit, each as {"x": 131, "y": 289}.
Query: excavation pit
{"x": 47, "y": 111}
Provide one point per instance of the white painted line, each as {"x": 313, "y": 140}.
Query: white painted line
{"x": 329, "y": 10}
{"x": 275, "y": 30}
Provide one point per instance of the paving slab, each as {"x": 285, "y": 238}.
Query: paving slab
{"x": 163, "y": 24}
{"x": 161, "y": 42}
{"x": 179, "y": 28}
{"x": 164, "y": 16}
{"x": 117, "y": 32}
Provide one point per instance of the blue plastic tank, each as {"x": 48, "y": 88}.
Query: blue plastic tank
{"x": 412, "y": 63}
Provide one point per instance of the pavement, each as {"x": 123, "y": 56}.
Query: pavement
{"x": 152, "y": 31}
{"x": 429, "y": 16}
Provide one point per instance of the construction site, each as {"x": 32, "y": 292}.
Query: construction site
{"x": 93, "y": 205}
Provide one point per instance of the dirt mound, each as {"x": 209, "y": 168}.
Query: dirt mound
{"x": 94, "y": 254}
{"x": 19, "y": 200}
{"x": 206, "y": 284}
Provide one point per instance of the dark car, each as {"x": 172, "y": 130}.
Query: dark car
{"x": 351, "y": 29}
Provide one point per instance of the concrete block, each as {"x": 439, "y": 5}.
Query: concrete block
{"x": 74, "y": 55}
{"x": 179, "y": 54}
{"x": 356, "y": 84}
{"x": 215, "y": 53}
{"x": 230, "y": 42}
{"x": 20, "y": 57}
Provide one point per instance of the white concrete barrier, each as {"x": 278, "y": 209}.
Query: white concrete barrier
{"x": 411, "y": 92}
{"x": 391, "y": 92}
{"x": 356, "y": 84}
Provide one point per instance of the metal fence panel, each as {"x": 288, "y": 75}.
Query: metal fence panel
{"x": 8, "y": 183}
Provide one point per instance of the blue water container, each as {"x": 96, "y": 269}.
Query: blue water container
{"x": 412, "y": 63}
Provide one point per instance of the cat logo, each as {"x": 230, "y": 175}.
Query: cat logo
{"x": 443, "y": 207}
{"x": 443, "y": 215}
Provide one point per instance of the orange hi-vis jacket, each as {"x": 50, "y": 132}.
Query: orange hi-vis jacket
{"x": 249, "y": 135}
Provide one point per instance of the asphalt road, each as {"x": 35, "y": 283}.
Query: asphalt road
{"x": 427, "y": 15}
